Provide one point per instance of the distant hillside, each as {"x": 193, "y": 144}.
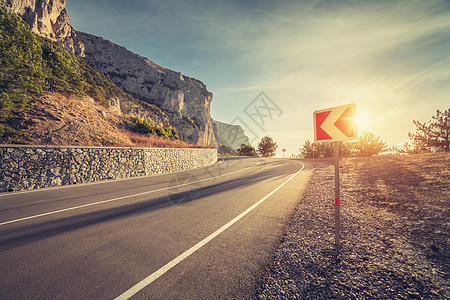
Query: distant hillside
{"x": 229, "y": 135}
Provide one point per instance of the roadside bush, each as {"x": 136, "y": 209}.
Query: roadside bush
{"x": 365, "y": 145}
{"x": 145, "y": 126}
{"x": 246, "y": 150}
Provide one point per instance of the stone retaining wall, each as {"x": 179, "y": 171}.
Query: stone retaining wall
{"x": 32, "y": 167}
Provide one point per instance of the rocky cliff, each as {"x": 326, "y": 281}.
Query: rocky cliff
{"x": 185, "y": 100}
{"x": 229, "y": 135}
{"x": 49, "y": 19}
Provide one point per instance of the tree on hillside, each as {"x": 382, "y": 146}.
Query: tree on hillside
{"x": 433, "y": 135}
{"x": 246, "y": 150}
{"x": 367, "y": 145}
{"x": 324, "y": 150}
{"x": 321, "y": 150}
{"x": 306, "y": 150}
{"x": 267, "y": 147}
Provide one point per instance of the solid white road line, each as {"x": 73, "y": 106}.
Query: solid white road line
{"x": 148, "y": 280}
{"x": 119, "y": 198}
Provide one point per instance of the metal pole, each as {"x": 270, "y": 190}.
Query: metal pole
{"x": 336, "y": 194}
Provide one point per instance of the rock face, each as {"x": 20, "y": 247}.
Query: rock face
{"x": 49, "y": 19}
{"x": 232, "y": 136}
{"x": 185, "y": 100}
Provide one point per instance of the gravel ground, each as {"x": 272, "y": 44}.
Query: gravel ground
{"x": 395, "y": 233}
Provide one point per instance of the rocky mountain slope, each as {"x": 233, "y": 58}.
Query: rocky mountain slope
{"x": 50, "y": 96}
{"x": 172, "y": 98}
{"x": 185, "y": 100}
{"x": 49, "y": 19}
{"x": 58, "y": 119}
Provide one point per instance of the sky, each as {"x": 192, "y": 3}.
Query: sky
{"x": 271, "y": 64}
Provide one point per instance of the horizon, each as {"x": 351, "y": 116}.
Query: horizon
{"x": 291, "y": 59}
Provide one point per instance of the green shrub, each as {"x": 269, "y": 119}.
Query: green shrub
{"x": 145, "y": 126}
{"x": 30, "y": 65}
{"x": 246, "y": 150}
{"x": 174, "y": 133}
{"x": 21, "y": 64}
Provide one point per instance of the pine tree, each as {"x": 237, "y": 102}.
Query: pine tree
{"x": 433, "y": 135}
{"x": 267, "y": 147}
{"x": 306, "y": 150}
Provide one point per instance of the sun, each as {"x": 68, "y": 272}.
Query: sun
{"x": 361, "y": 120}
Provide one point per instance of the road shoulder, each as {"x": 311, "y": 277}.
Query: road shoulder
{"x": 379, "y": 255}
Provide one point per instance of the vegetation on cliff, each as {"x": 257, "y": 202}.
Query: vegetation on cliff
{"x": 145, "y": 126}
{"x": 31, "y": 66}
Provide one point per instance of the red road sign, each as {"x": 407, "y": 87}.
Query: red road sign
{"x": 284, "y": 150}
{"x": 335, "y": 124}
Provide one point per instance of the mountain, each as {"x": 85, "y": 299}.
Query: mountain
{"x": 231, "y": 136}
{"x": 185, "y": 100}
{"x": 48, "y": 19}
{"x": 182, "y": 102}
{"x": 50, "y": 96}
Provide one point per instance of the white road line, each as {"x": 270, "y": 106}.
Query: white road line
{"x": 148, "y": 280}
{"x": 119, "y": 198}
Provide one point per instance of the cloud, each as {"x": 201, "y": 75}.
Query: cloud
{"x": 387, "y": 56}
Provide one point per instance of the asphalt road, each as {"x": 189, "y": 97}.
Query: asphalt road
{"x": 200, "y": 234}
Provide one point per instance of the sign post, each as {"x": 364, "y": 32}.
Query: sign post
{"x": 337, "y": 218}
{"x": 336, "y": 124}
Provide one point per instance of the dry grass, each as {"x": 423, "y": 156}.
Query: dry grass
{"x": 144, "y": 141}
{"x": 69, "y": 120}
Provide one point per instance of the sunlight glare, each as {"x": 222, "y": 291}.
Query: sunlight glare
{"x": 361, "y": 121}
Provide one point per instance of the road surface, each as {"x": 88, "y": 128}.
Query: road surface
{"x": 200, "y": 234}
